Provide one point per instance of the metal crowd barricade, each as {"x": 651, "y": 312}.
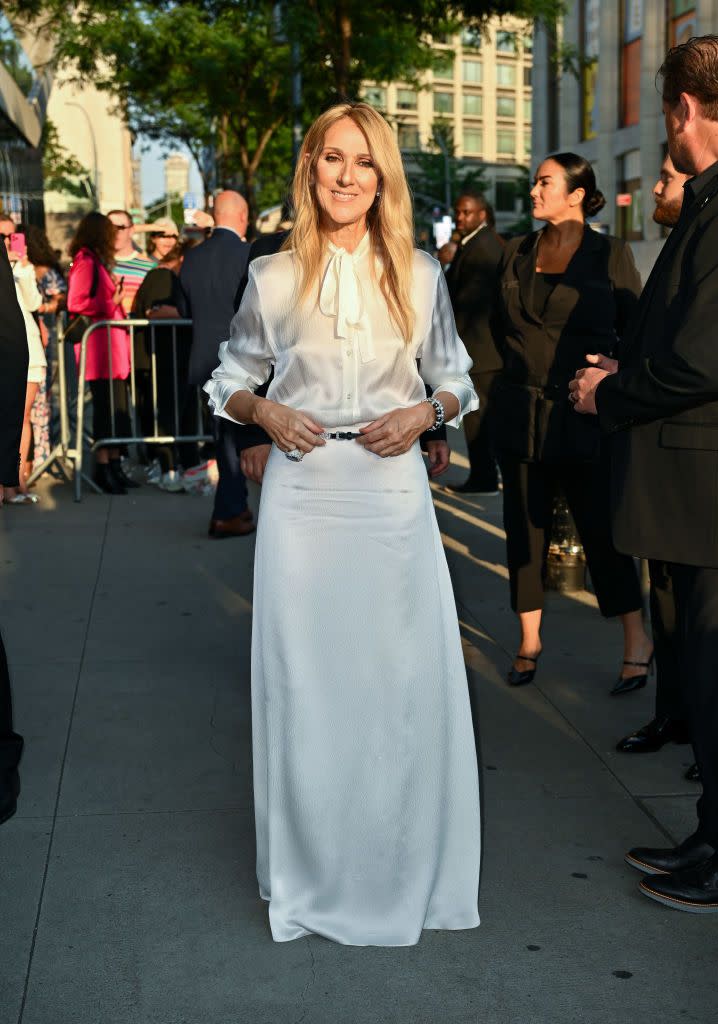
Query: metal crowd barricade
{"x": 65, "y": 452}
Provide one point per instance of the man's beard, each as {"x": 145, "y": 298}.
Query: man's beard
{"x": 667, "y": 213}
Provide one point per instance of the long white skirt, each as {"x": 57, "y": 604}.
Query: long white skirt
{"x": 365, "y": 775}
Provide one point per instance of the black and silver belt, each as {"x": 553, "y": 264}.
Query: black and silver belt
{"x": 339, "y": 435}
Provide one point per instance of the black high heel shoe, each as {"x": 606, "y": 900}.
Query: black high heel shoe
{"x": 120, "y": 476}
{"x": 631, "y": 683}
{"x": 106, "y": 481}
{"x": 516, "y": 678}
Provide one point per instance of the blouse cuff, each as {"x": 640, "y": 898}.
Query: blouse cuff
{"x": 463, "y": 390}
{"x": 219, "y": 393}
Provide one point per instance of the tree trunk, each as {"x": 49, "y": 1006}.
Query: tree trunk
{"x": 342, "y": 67}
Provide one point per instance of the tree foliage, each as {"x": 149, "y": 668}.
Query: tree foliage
{"x": 215, "y": 75}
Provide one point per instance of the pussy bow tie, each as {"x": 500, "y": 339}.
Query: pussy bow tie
{"x": 341, "y": 297}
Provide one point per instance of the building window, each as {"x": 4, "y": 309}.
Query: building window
{"x": 505, "y": 142}
{"x": 682, "y": 21}
{"x": 527, "y": 144}
{"x": 506, "y": 42}
{"x": 406, "y": 99}
{"x": 473, "y": 104}
{"x": 473, "y": 140}
{"x": 444, "y": 67}
{"x": 443, "y": 102}
{"x": 528, "y": 42}
{"x": 590, "y": 36}
{"x": 527, "y": 77}
{"x": 630, "y": 211}
{"x": 376, "y": 96}
{"x": 506, "y": 74}
{"x": 527, "y": 108}
{"x": 631, "y": 62}
{"x": 472, "y": 71}
{"x": 505, "y": 106}
{"x": 408, "y": 136}
{"x": 471, "y": 39}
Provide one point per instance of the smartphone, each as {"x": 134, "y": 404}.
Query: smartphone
{"x": 121, "y": 283}
{"x": 18, "y": 243}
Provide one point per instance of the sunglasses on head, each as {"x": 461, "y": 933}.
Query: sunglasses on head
{"x": 159, "y": 234}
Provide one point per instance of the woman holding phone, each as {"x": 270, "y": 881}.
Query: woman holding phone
{"x": 30, "y": 301}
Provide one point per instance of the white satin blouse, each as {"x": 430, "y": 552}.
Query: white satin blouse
{"x": 341, "y": 360}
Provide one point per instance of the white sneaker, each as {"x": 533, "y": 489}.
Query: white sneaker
{"x": 171, "y": 481}
{"x": 154, "y": 472}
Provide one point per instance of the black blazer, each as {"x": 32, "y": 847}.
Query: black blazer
{"x": 13, "y": 374}
{"x": 588, "y": 311}
{"x": 661, "y": 408}
{"x": 210, "y": 277}
{"x": 473, "y": 278}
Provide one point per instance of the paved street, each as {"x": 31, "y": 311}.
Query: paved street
{"x": 128, "y": 893}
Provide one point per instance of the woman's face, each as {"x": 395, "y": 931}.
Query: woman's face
{"x": 162, "y": 243}
{"x": 550, "y": 198}
{"x": 346, "y": 180}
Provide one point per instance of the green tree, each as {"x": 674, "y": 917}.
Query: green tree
{"x": 216, "y": 74}
{"x": 61, "y": 171}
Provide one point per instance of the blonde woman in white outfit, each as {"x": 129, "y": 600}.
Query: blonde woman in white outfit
{"x": 365, "y": 774}
{"x": 30, "y": 300}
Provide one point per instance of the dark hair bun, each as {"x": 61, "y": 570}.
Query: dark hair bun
{"x": 593, "y": 203}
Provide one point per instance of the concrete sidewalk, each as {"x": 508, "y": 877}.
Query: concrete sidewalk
{"x": 128, "y": 893}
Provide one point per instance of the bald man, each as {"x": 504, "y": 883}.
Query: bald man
{"x": 210, "y": 278}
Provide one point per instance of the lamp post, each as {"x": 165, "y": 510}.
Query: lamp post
{"x": 95, "y": 172}
{"x": 447, "y": 171}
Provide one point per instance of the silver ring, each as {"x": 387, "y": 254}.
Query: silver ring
{"x": 295, "y": 455}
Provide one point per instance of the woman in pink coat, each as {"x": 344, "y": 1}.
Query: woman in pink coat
{"x": 92, "y": 292}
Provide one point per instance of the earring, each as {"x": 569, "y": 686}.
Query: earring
{"x": 377, "y": 197}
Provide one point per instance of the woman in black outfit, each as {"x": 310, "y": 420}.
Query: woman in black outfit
{"x": 565, "y": 291}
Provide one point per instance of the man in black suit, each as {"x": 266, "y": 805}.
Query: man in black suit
{"x": 661, "y": 410}
{"x": 473, "y": 279}
{"x": 210, "y": 276}
{"x": 13, "y": 384}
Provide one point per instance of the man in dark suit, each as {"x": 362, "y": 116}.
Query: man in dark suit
{"x": 210, "y": 276}
{"x": 13, "y": 384}
{"x": 473, "y": 279}
{"x": 661, "y": 410}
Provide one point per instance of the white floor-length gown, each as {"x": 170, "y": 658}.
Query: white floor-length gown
{"x": 365, "y": 773}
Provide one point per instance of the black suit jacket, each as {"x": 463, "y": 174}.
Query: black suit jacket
{"x": 210, "y": 277}
{"x": 473, "y": 279}
{"x": 662, "y": 406}
{"x": 587, "y": 311}
{"x": 13, "y": 374}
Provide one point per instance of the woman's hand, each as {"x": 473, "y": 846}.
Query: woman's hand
{"x": 395, "y": 432}
{"x": 119, "y": 293}
{"x": 163, "y": 312}
{"x": 288, "y": 428}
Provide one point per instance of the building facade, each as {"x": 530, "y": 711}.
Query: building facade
{"x": 481, "y": 95}
{"x": 23, "y": 95}
{"x": 176, "y": 175}
{"x": 607, "y": 106}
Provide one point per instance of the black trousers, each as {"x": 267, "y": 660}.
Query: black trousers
{"x": 670, "y": 702}
{"x": 696, "y": 596}
{"x": 102, "y": 412}
{"x": 479, "y": 435}
{"x": 530, "y": 489}
{"x": 10, "y": 743}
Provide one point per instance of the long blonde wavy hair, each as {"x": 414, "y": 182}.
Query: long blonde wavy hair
{"x": 389, "y": 218}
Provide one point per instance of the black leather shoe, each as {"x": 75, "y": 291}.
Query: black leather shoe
{"x": 120, "y": 476}
{"x": 693, "y": 774}
{"x": 653, "y": 736}
{"x": 692, "y": 852}
{"x": 472, "y": 487}
{"x": 627, "y": 684}
{"x": 105, "y": 479}
{"x": 694, "y": 890}
{"x": 517, "y": 678}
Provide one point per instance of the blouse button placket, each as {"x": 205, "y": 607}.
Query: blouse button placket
{"x": 350, "y": 370}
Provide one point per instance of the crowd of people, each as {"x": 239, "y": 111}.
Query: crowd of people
{"x": 348, "y": 349}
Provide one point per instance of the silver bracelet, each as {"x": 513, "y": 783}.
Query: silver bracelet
{"x": 439, "y": 411}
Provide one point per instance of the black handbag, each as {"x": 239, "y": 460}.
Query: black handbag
{"x": 80, "y": 321}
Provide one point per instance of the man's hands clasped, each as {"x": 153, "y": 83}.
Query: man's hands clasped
{"x": 582, "y": 389}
